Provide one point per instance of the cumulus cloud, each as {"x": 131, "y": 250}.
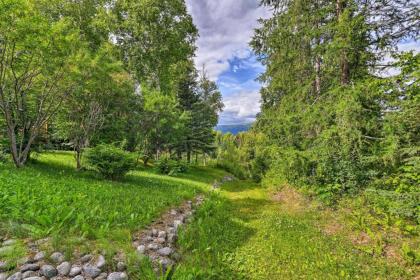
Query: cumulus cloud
{"x": 226, "y": 27}
{"x": 241, "y": 107}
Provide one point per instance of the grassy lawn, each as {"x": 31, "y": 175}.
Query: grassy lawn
{"x": 49, "y": 198}
{"x": 243, "y": 233}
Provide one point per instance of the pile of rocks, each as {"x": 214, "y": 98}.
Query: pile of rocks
{"x": 218, "y": 183}
{"x": 38, "y": 266}
{"x": 158, "y": 241}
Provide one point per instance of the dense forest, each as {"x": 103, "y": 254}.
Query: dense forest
{"x": 75, "y": 74}
{"x": 333, "y": 121}
{"x": 109, "y": 148}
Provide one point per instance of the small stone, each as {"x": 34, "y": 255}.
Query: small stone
{"x": 16, "y": 276}
{"x": 39, "y": 256}
{"x": 165, "y": 263}
{"x": 64, "y": 268}
{"x": 48, "y": 271}
{"x": 165, "y": 251}
{"x": 173, "y": 212}
{"x": 141, "y": 249}
{"x": 29, "y": 267}
{"x": 9, "y": 242}
{"x": 28, "y": 274}
{"x": 78, "y": 277}
{"x": 75, "y": 270}
{"x": 171, "y": 238}
{"x": 148, "y": 239}
{"x": 100, "y": 262}
{"x": 171, "y": 230}
{"x": 153, "y": 246}
{"x": 177, "y": 224}
{"x": 3, "y": 276}
{"x": 154, "y": 232}
{"x": 57, "y": 257}
{"x": 176, "y": 256}
{"x": 102, "y": 276}
{"x": 86, "y": 258}
{"x": 162, "y": 234}
{"x": 91, "y": 271}
{"x": 121, "y": 266}
{"x": 160, "y": 240}
{"x": 117, "y": 276}
{"x": 34, "y": 278}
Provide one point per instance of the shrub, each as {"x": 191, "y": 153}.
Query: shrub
{"x": 110, "y": 161}
{"x": 171, "y": 167}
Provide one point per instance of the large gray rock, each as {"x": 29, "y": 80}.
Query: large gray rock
{"x": 16, "y": 276}
{"x": 91, "y": 271}
{"x": 3, "y": 276}
{"x": 39, "y": 256}
{"x": 29, "y": 267}
{"x": 75, "y": 270}
{"x": 3, "y": 266}
{"x": 165, "y": 251}
{"x": 78, "y": 277}
{"x": 117, "y": 276}
{"x": 9, "y": 242}
{"x": 64, "y": 269}
{"x": 28, "y": 274}
{"x": 48, "y": 271}
{"x": 100, "y": 262}
{"x": 34, "y": 278}
{"x": 57, "y": 257}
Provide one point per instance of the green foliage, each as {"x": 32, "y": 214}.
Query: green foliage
{"x": 64, "y": 203}
{"x": 171, "y": 167}
{"x": 110, "y": 161}
{"x": 241, "y": 234}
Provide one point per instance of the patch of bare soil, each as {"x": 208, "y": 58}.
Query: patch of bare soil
{"x": 291, "y": 200}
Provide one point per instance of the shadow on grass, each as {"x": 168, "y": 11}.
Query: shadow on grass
{"x": 210, "y": 242}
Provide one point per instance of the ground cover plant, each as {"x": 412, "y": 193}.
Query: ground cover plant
{"x": 245, "y": 233}
{"x": 50, "y": 197}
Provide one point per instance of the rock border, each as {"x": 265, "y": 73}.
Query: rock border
{"x": 157, "y": 242}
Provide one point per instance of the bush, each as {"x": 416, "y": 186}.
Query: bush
{"x": 233, "y": 168}
{"x": 110, "y": 161}
{"x": 171, "y": 167}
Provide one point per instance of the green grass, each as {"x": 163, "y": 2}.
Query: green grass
{"x": 50, "y": 198}
{"x": 238, "y": 233}
{"x": 243, "y": 234}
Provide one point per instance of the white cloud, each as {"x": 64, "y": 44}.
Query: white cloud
{"x": 241, "y": 107}
{"x": 226, "y": 27}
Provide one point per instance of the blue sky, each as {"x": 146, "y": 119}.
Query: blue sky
{"x": 226, "y": 27}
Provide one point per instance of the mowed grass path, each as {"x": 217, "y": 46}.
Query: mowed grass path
{"x": 50, "y": 198}
{"x": 244, "y": 233}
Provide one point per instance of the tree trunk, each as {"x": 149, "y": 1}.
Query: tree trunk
{"x": 78, "y": 159}
{"x": 189, "y": 156}
{"x": 344, "y": 62}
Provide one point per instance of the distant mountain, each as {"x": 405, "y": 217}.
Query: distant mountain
{"x": 233, "y": 128}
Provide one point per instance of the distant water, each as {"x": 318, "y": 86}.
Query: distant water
{"x": 233, "y": 128}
